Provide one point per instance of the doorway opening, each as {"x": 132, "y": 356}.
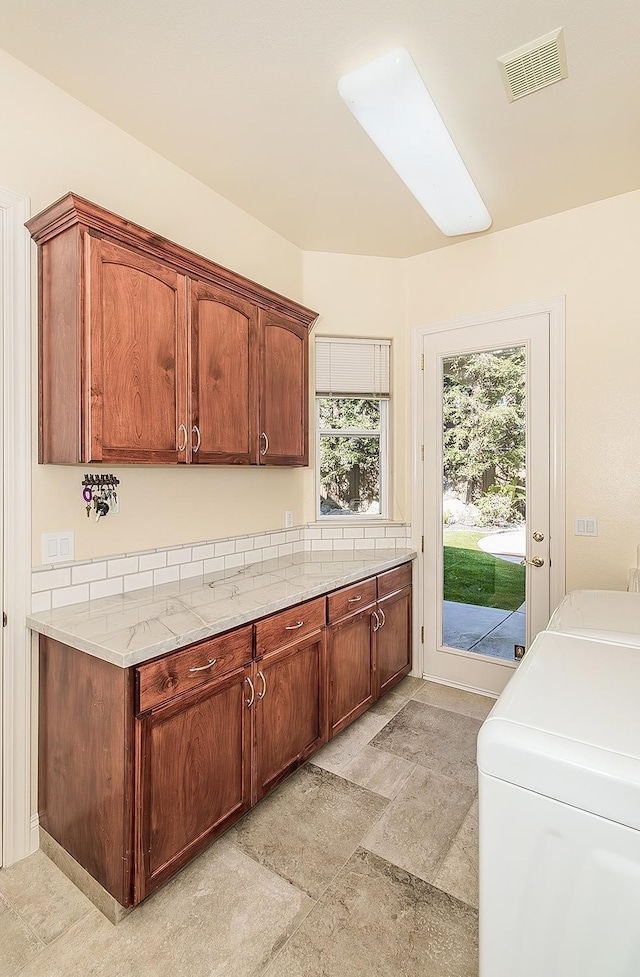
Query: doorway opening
{"x": 489, "y": 489}
{"x": 484, "y": 457}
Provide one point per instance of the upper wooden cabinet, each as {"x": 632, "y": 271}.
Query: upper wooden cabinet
{"x": 284, "y": 391}
{"x": 151, "y": 353}
{"x": 224, "y": 377}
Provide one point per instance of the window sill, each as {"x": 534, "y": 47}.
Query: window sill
{"x": 355, "y": 521}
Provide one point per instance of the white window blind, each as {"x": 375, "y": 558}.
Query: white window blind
{"x": 352, "y": 367}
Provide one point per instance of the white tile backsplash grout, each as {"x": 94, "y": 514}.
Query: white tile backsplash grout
{"x": 126, "y": 572}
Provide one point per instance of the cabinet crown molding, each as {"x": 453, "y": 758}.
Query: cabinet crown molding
{"x": 72, "y": 209}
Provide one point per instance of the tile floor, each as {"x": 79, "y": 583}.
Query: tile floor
{"x": 364, "y": 862}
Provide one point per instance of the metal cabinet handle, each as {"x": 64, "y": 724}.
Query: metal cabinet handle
{"x": 354, "y": 600}
{"x": 182, "y": 445}
{"x": 262, "y": 694}
{"x": 294, "y": 627}
{"x": 196, "y": 430}
{"x": 536, "y": 561}
{"x": 264, "y": 450}
{"x": 203, "y": 668}
{"x": 382, "y": 615}
{"x": 251, "y": 700}
{"x": 376, "y": 626}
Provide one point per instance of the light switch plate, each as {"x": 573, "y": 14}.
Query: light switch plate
{"x": 586, "y": 526}
{"x": 58, "y": 548}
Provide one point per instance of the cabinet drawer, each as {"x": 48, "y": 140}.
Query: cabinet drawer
{"x": 167, "y": 677}
{"x": 351, "y": 599}
{"x": 394, "y": 580}
{"x": 287, "y": 626}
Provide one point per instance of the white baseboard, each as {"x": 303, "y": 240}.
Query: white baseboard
{"x": 34, "y": 833}
{"x": 457, "y": 685}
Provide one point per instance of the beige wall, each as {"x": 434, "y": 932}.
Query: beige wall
{"x": 362, "y": 296}
{"x": 591, "y": 255}
{"x": 49, "y": 144}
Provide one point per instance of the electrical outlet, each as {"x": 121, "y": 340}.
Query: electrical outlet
{"x": 288, "y": 518}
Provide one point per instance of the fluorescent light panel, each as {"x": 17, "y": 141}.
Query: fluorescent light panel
{"x": 390, "y": 101}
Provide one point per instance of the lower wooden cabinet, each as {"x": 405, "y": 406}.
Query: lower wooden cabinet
{"x": 140, "y": 768}
{"x": 393, "y": 640}
{"x": 289, "y": 710}
{"x": 194, "y": 775}
{"x": 351, "y": 664}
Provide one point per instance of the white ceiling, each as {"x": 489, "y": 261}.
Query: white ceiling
{"x": 243, "y": 95}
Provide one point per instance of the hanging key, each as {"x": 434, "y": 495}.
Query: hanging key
{"x": 102, "y": 509}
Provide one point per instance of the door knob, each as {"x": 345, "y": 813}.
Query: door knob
{"x": 535, "y": 561}
{"x": 538, "y": 537}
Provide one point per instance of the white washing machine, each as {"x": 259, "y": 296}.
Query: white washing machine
{"x": 609, "y": 615}
{"x": 559, "y": 786}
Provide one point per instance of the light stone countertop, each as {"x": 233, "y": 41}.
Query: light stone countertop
{"x": 132, "y": 628}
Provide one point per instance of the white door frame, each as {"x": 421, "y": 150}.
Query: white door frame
{"x": 17, "y": 835}
{"x": 555, "y": 307}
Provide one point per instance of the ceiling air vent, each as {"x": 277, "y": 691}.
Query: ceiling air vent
{"x": 535, "y": 65}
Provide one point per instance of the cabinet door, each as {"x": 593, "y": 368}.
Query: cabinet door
{"x": 224, "y": 377}
{"x": 193, "y": 761}
{"x": 290, "y": 710}
{"x": 135, "y": 357}
{"x": 393, "y": 639}
{"x": 284, "y": 391}
{"x": 351, "y": 669}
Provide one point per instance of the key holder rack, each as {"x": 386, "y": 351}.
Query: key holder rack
{"x": 100, "y": 493}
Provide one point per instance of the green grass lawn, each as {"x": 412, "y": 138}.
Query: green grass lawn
{"x": 474, "y": 577}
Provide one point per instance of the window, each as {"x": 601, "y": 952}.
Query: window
{"x": 352, "y": 401}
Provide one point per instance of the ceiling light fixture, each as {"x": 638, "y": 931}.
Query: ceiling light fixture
{"x": 390, "y": 101}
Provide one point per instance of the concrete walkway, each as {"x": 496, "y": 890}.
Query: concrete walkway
{"x": 484, "y": 630}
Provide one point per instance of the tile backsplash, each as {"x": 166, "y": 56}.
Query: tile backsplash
{"x": 73, "y": 583}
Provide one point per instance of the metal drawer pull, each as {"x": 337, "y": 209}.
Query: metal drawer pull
{"x": 203, "y": 668}
{"x": 384, "y": 620}
{"x": 196, "y": 430}
{"x": 183, "y": 444}
{"x": 262, "y": 694}
{"x": 354, "y": 600}
{"x": 376, "y": 626}
{"x": 264, "y": 450}
{"x": 253, "y": 693}
{"x": 294, "y": 627}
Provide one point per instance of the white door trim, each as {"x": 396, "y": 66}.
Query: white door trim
{"x": 18, "y": 835}
{"x": 555, "y": 307}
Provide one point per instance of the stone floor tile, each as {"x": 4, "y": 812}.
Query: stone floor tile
{"x": 383, "y": 773}
{"x": 387, "y": 706}
{"x": 456, "y": 700}
{"x": 223, "y": 916}
{"x": 346, "y": 745}
{"x": 18, "y": 944}
{"x": 458, "y": 873}
{"x": 407, "y": 687}
{"x": 417, "y": 828}
{"x": 378, "y": 920}
{"x": 309, "y": 827}
{"x": 438, "y": 739}
{"x": 43, "y": 896}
